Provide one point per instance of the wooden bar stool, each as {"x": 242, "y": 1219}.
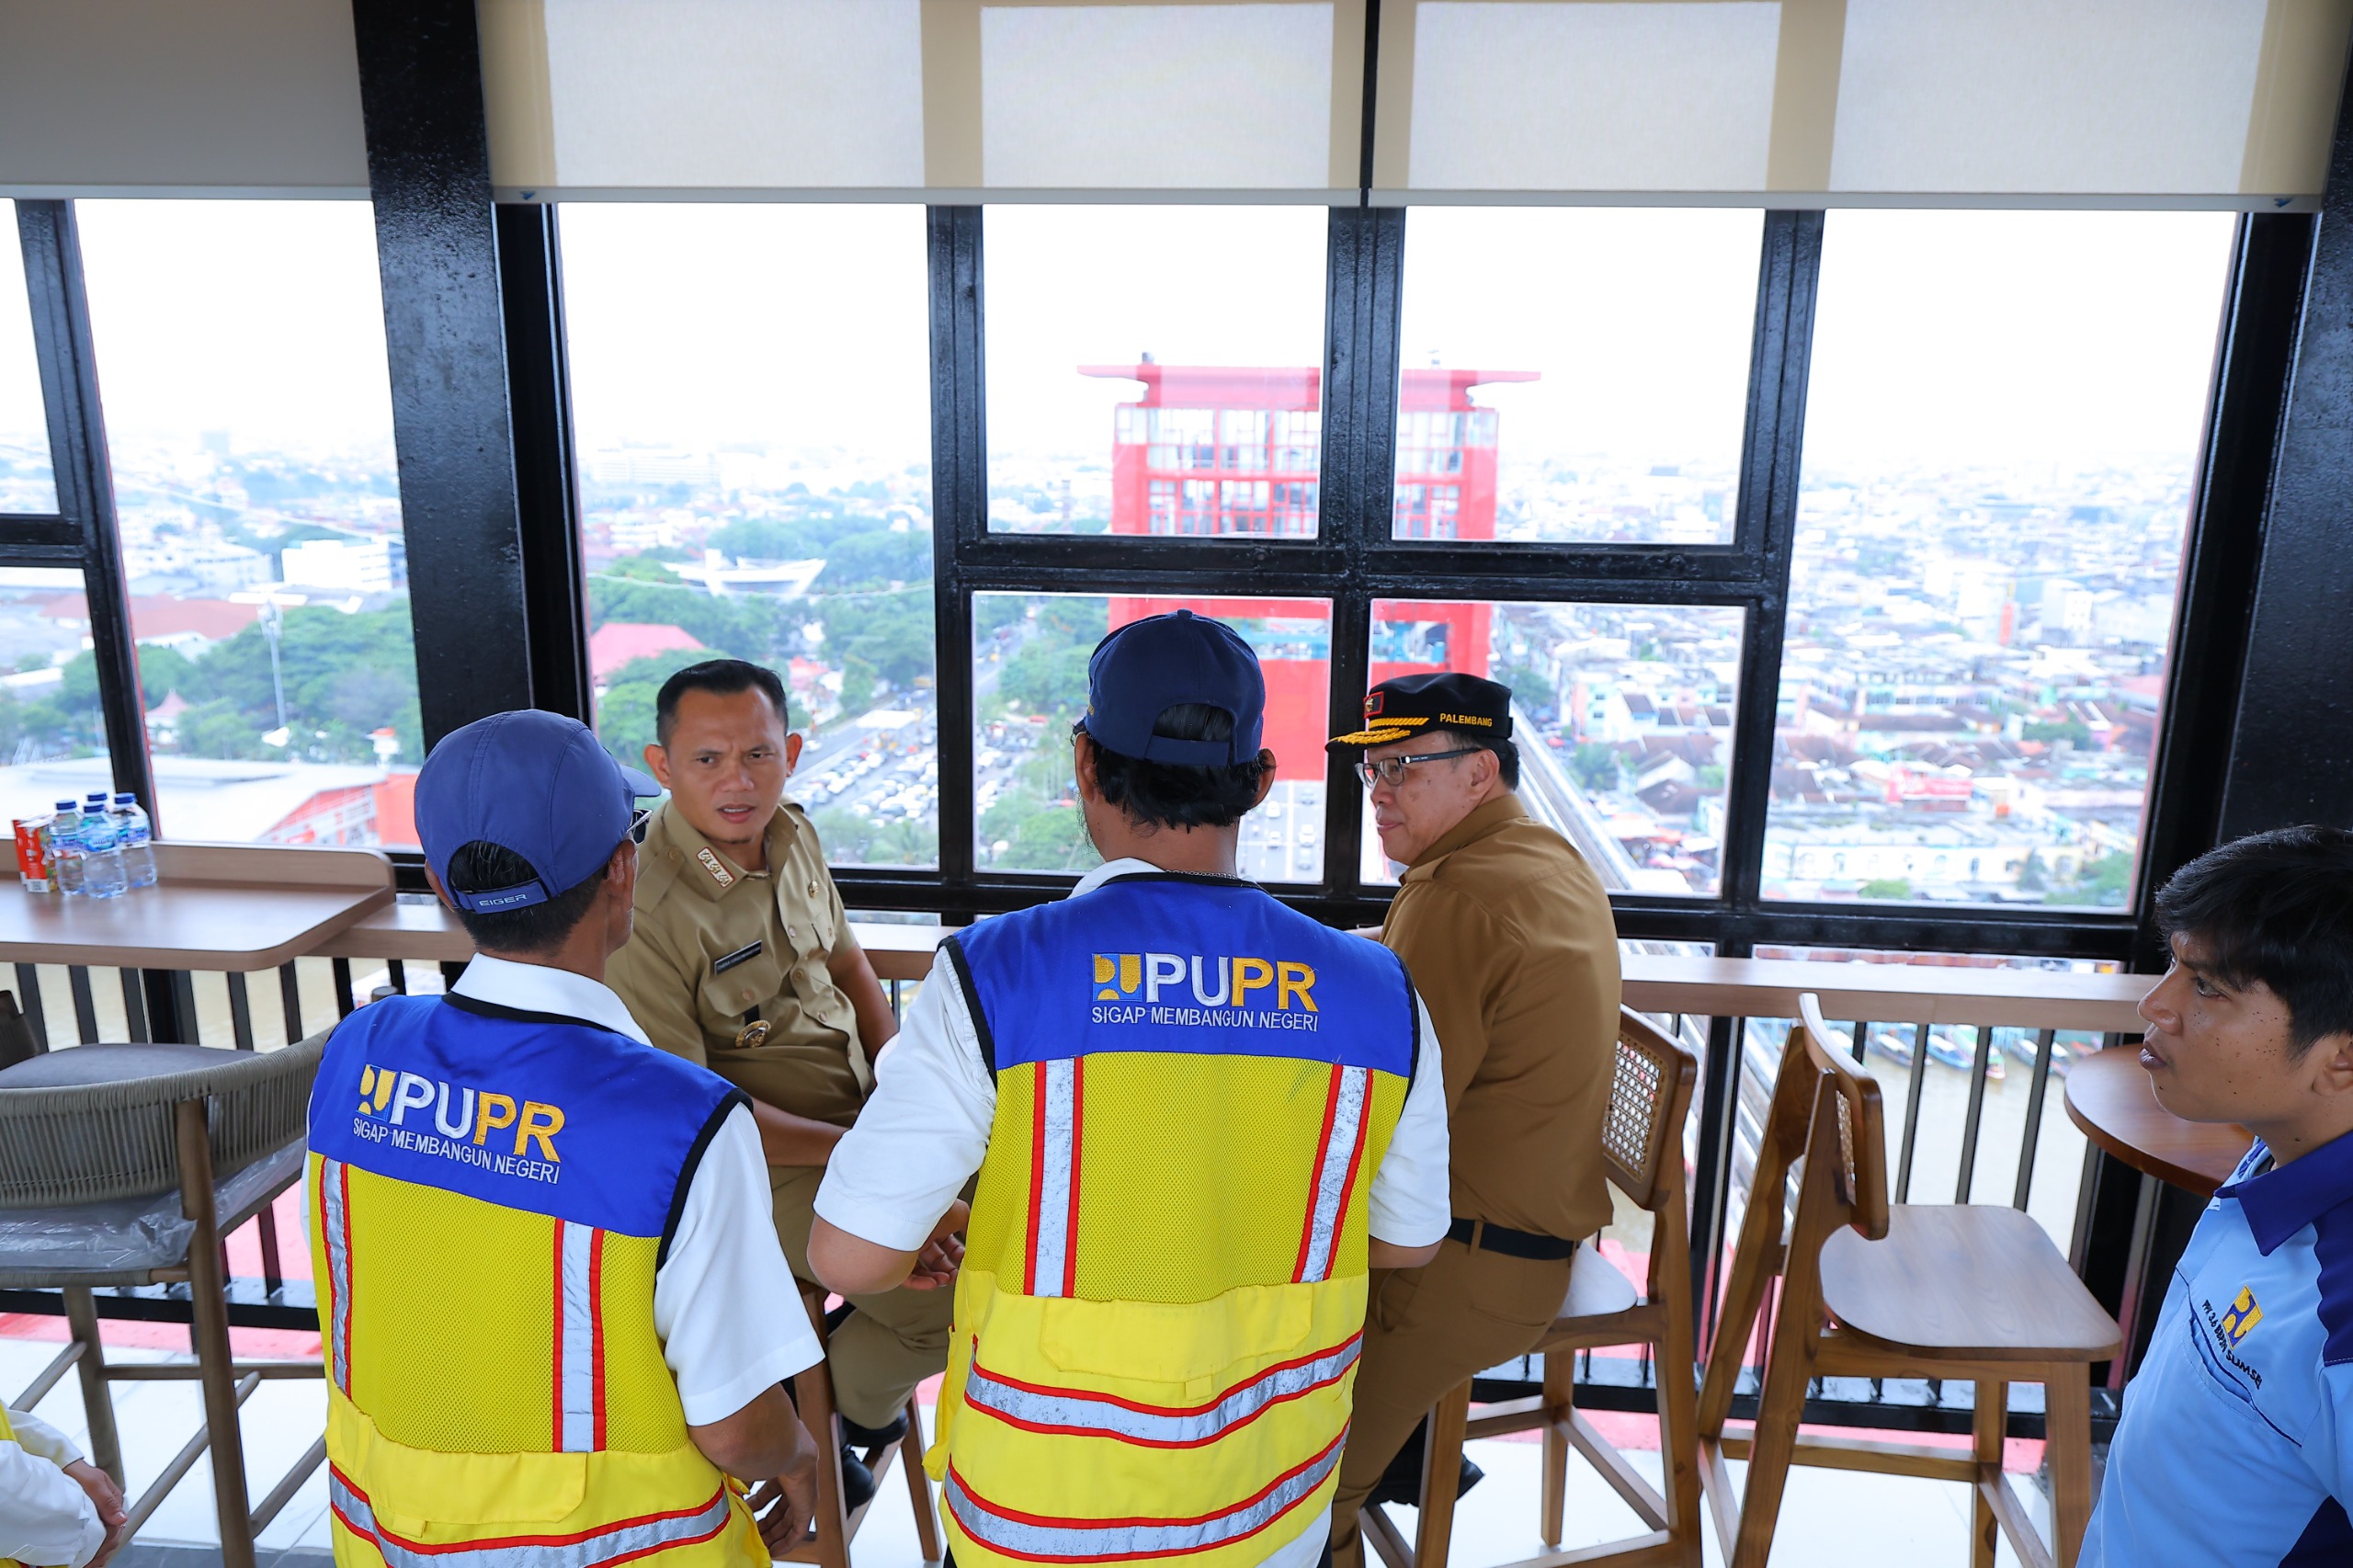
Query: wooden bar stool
{"x": 836, "y": 1524}
{"x": 1641, "y": 1145}
{"x": 1952, "y": 1292}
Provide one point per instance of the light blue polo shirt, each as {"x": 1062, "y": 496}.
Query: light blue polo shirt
{"x": 2236, "y": 1443}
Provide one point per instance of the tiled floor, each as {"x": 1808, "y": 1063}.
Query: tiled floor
{"x": 1832, "y": 1519}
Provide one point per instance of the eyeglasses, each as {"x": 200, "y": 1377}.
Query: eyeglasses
{"x": 1390, "y": 771}
{"x": 637, "y": 825}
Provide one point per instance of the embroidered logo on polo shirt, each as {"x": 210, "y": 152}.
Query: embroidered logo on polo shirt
{"x": 2240, "y": 1320}
{"x": 719, "y": 873}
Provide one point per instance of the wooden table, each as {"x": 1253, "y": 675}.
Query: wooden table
{"x": 420, "y": 930}
{"x": 2108, "y": 1097}
{"x": 238, "y": 907}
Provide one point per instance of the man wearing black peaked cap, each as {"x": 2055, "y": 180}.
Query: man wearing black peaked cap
{"x": 1508, "y": 934}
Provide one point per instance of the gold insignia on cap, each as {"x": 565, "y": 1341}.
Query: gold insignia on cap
{"x": 719, "y": 873}
{"x": 752, "y": 1033}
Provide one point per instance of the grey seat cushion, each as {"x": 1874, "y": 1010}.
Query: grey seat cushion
{"x": 83, "y": 1065}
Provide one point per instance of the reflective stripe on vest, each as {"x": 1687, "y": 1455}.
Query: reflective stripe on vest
{"x": 1337, "y": 1161}
{"x": 1045, "y": 1539}
{"x": 612, "y": 1543}
{"x": 1083, "y": 1414}
{"x": 334, "y": 1227}
{"x": 579, "y": 1339}
{"x": 1053, "y": 1191}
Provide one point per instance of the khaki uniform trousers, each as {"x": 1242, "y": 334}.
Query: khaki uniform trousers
{"x": 1426, "y": 1329}
{"x": 890, "y": 1343}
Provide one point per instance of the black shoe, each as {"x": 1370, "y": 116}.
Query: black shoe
{"x": 858, "y": 1482}
{"x": 858, "y": 1436}
{"x": 1402, "y": 1482}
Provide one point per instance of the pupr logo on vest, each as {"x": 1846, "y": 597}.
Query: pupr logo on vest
{"x": 463, "y": 1122}
{"x": 1213, "y": 992}
{"x": 2240, "y": 1320}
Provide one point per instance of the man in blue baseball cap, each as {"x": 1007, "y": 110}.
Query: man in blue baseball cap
{"x": 1197, "y": 1118}
{"x": 554, "y": 1306}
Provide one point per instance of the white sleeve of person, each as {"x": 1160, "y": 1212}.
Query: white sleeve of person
{"x": 46, "y": 1519}
{"x": 725, "y": 1300}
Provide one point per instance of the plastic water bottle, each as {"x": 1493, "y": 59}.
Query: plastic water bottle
{"x": 65, "y": 837}
{"x": 132, "y": 835}
{"x": 102, "y": 874}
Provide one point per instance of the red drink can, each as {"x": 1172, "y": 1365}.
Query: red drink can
{"x": 33, "y": 853}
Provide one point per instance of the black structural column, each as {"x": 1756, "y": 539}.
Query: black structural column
{"x": 436, "y": 243}
{"x": 2295, "y": 708}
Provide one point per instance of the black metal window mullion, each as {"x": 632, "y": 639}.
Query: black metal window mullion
{"x": 960, "y": 489}
{"x": 1772, "y": 449}
{"x": 1365, "y": 252}
{"x": 77, "y": 442}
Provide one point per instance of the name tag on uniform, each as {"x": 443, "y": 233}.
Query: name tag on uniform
{"x": 741, "y": 955}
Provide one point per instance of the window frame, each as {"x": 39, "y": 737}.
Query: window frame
{"x": 1353, "y": 560}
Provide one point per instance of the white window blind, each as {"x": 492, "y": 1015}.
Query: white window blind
{"x": 1004, "y": 99}
{"x": 2219, "y": 103}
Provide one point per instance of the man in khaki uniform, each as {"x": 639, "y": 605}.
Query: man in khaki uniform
{"x": 743, "y": 960}
{"x": 1509, "y": 938}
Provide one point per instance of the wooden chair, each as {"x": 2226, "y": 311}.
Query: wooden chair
{"x": 1642, "y": 1150}
{"x": 1973, "y": 1292}
{"x": 836, "y": 1524}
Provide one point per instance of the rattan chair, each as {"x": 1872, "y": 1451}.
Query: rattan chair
{"x": 1954, "y": 1292}
{"x": 1642, "y": 1150}
{"x": 89, "y": 1137}
{"x": 836, "y": 1524}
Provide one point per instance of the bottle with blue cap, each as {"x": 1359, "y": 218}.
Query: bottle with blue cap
{"x": 135, "y": 839}
{"x": 102, "y": 872}
{"x": 65, "y": 844}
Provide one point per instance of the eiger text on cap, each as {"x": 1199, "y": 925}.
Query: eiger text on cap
{"x": 1398, "y": 709}
{"x": 1151, "y": 665}
{"x": 535, "y": 783}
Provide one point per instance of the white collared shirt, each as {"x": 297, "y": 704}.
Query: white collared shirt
{"x": 45, "y": 1517}
{"x": 724, "y": 1301}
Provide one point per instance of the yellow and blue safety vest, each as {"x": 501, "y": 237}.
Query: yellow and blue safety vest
{"x": 1161, "y": 1304}
{"x": 491, "y": 1192}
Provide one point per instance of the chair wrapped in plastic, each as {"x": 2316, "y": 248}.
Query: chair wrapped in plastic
{"x": 126, "y": 1164}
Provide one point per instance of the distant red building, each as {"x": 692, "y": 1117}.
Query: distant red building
{"x": 1236, "y": 450}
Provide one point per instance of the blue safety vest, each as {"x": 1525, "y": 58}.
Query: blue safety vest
{"x": 492, "y": 1196}
{"x": 524, "y": 1110}
{"x": 1163, "y": 1299}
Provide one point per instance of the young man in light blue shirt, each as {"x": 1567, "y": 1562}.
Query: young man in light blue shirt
{"x": 2236, "y": 1442}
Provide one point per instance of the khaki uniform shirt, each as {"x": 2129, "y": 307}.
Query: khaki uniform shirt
{"x": 716, "y": 949}
{"x": 1509, "y": 938}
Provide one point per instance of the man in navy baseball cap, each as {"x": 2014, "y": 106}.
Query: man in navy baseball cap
{"x": 528, "y": 808}
{"x": 520, "y": 1143}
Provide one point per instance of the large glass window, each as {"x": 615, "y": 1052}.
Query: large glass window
{"x": 248, "y": 410}
{"x": 751, "y": 387}
{"x": 1029, "y": 655}
{"x": 1573, "y": 374}
{"x": 1623, "y": 717}
{"x": 27, "y": 481}
{"x": 53, "y": 730}
{"x": 2003, "y": 428}
{"x": 1154, "y": 370}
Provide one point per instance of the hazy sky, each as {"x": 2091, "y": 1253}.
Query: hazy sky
{"x": 1941, "y": 336}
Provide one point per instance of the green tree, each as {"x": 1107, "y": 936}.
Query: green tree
{"x": 1594, "y": 766}
{"x": 625, "y": 714}
{"x": 1886, "y": 887}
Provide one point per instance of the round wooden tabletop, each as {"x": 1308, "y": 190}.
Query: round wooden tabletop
{"x": 2108, "y": 1097}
